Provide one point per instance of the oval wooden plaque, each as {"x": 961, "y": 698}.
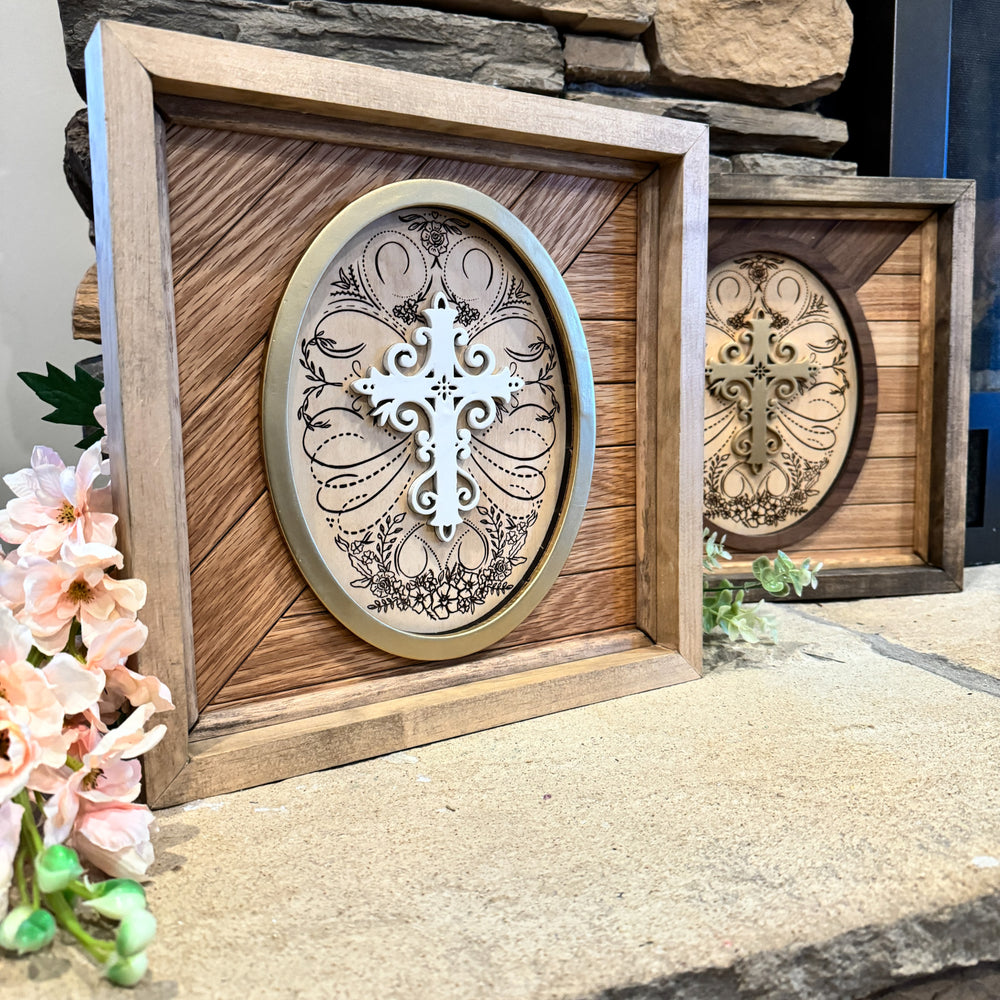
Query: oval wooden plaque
{"x": 790, "y": 391}
{"x": 428, "y": 419}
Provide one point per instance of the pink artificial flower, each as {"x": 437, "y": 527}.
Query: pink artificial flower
{"x": 114, "y": 837}
{"x": 33, "y": 703}
{"x": 54, "y": 503}
{"x": 77, "y": 587}
{"x": 108, "y": 653}
{"x": 20, "y": 752}
{"x": 10, "y": 835}
{"x": 108, "y": 774}
{"x": 12, "y": 573}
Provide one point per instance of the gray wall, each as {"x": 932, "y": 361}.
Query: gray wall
{"x": 44, "y": 249}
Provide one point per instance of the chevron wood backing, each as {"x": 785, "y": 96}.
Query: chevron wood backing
{"x": 236, "y": 237}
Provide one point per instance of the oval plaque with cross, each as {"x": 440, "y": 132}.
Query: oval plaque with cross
{"x": 787, "y": 391}
{"x": 428, "y": 419}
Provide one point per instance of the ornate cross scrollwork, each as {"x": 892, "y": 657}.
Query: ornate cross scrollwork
{"x": 445, "y": 389}
{"x": 767, "y": 371}
{"x": 781, "y": 386}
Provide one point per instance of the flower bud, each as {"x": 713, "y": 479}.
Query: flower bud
{"x": 135, "y": 932}
{"x": 56, "y": 867}
{"x": 127, "y": 971}
{"x": 117, "y": 897}
{"x": 25, "y": 929}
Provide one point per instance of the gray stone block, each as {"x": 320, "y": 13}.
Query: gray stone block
{"x": 736, "y": 128}
{"x": 802, "y": 166}
{"x": 613, "y": 61}
{"x": 456, "y": 46}
{"x": 613, "y": 17}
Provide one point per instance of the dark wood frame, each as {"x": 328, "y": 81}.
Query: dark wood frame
{"x": 864, "y": 417}
{"x": 953, "y": 203}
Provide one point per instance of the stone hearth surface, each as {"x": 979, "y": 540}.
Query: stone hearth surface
{"x": 816, "y": 819}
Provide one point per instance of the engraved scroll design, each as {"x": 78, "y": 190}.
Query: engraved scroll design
{"x": 430, "y": 492}
{"x": 779, "y": 376}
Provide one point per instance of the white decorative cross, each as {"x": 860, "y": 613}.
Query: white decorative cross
{"x": 768, "y": 371}
{"x": 443, "y": 390}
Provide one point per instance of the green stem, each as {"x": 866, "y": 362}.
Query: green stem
{"x": 36, "y": 657}
{"x": 82, "y": 890}
{"x": 100, "y": 951}
{"x": 71, "y": 647}
{"x": 22, "y": 885}
{"x": 28, "y": 827}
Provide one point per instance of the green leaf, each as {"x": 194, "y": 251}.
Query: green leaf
{"x": 73, "y": 399}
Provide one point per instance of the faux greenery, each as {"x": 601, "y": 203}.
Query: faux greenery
{"x": 73, "y": 399}
{"x": 722, "y": 601}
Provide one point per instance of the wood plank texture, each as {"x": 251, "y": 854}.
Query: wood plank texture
{"x": 865, "y": 526}
{"x": 895, "y": 436}
{"x": 884, "y": 480}
{"x": 898, "y": 390}
{"x": 897, "y": 345}
{"x": 891, "y": 297}
{"x": 603, "y": 285}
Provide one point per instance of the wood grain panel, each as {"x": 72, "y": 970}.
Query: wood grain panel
{"x": 895, "y": 436}
{"x": 233, "y": 534}
{"x": 256, "y": 258}
{"x": 245, "y": 700}
{"x": 613, "y": 482}
{"x": 865, "y": 526}
{"x": 603, "y": 285}
{"x": 891, "y": 297}
{"x": 223, "y": 463}
{"x": 884, "y": 480}
{"x": 859, "y": 248}
{"x": 503, "y": 184}
{"x": 897, "y": 390}
{"x": 606, "y": 540}
{"x": 618, "y": 234}
{"x": 315, "y": 648}
{"x": 615, "y": 414}
{"x": 611, "y": 344}
{"x": 896, "y": 344}
{"x": 214, "y": 178}
{"x": 564, "y": 212}
{"x": 237, "y": 593}
{"x": 906, "y": 259}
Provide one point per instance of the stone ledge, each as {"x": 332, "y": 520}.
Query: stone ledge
{"x": 455, "y": 46}
{"x": 736, "y": 128}
{"x": 807, "y": 822}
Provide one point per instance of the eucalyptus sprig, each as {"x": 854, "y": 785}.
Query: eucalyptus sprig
{"x": 722, "y": 602}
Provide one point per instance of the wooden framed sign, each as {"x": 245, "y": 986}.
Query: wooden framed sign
{"x": 836, "y": 377}
{"x": 403, "y": 383}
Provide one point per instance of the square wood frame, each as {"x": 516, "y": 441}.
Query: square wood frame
{"x": 131, "y": 71}
{"x": 942, "y": 212}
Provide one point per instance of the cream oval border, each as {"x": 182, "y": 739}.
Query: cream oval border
{"x": 580, "y": 424}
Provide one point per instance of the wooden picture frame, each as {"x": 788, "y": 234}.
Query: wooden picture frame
{"x": 906, "y": 248}
{"x": 143, "y": 83}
